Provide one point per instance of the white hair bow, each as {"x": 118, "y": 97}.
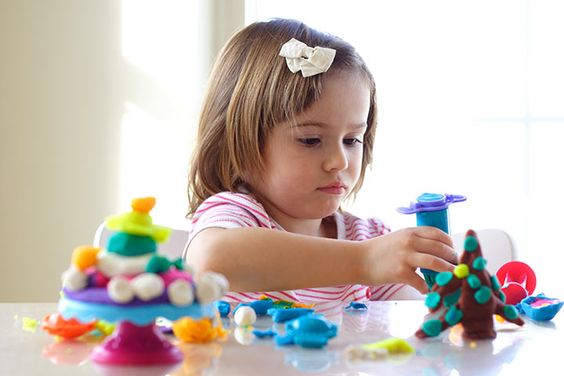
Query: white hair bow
{"x": 311, "y": 61}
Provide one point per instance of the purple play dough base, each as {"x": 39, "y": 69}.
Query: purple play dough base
{"x": 100, "y": 295}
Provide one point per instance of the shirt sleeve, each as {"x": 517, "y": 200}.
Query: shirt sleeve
{"x": 229, "y": 210}
{"x": 378, "y": 227}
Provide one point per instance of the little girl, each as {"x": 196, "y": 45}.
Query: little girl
{"x": 285, "y": 135}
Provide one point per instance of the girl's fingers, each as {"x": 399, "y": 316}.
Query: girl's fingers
{"x": 431, "y": 262}
{"x": 417, "y": 282}
{"x": 436, "y": 248}
{"x": 434, "y": 233}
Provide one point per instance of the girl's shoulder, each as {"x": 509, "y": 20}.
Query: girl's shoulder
{"x": 233, "y": 198}
{"x": 232, "y": 204}
{"x": 356, "y": 228}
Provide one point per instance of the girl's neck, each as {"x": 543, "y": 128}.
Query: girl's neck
{"x": 325, "y": 227}
{"x": 322, "y": 227}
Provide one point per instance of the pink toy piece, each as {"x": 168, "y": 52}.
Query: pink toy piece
{"x": 172, "y": 275}
{"x": 136, "y": 345}
{"x": 517, "y": 280}
{"x": 543, "y": 302}
{"x": 96, "y": 278}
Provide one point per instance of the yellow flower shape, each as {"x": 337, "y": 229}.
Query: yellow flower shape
{"x": 187, "y": 329}
{"x": 138, "y": 221}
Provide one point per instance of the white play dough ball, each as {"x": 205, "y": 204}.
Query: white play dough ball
{"x": 74, "y": 279}
{"x": 147, "y": 286}
{"x": 113, "y": 265}
{"x": 244, "y": 335}
{"x": 119, "y": 290}
{"x": 210, "y": 286}
{"x": 180, "y": 293}
{"x": 245, "y": 316}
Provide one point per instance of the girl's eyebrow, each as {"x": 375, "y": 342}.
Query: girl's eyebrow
{"x": 324, "y": 125}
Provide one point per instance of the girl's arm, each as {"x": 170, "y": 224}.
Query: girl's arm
{"x": 257, "y": 259}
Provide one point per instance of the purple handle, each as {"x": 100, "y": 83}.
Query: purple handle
{"x": 431, "y": 202}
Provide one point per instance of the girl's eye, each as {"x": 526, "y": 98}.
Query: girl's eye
{"x": 309, "y": 141}
{"x": 352, "y": 141}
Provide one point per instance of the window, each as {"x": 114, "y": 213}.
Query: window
{"x": 161, "y": 84}
{"x": 471, "y": 101}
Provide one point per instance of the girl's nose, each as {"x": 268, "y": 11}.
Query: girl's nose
{"x": 336, "y": 159}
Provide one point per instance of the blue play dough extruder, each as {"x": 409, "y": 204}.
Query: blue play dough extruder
{"x": 431, "y": 209}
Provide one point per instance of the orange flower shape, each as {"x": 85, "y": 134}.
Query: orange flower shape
{"x": 187, "y": 329}
{"x": 56, "y": 325}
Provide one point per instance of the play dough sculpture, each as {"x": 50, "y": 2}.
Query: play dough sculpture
{"x": 130, "y": 284}
{"x": 469, "y": 295}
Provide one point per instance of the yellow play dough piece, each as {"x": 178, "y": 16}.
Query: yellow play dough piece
{"x": 461, "y": 271}
{"x": 393, "y": 345}
{"x": 138, "y": 221}
{"x": 84, "y": 257}
{"x": 143, "y": 204}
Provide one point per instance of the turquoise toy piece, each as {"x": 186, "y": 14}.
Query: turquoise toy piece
{"x": 260, "y": 306}
{"x": 223, "y": 308}
{"x": 286, "y": 314}
{"x": 431, "y": 209}
{"x": 540, "y": 307}
{"x": 266, "y": 333}
{"x": 310, "y": 331}
{"x": 356, "y": 306}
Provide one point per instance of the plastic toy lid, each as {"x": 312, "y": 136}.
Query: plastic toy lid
{"x": 517, "y": 272}
{"x": 514, "y": 293}
{"x": 431, "y": 199}
{"x": 431, "y": 202}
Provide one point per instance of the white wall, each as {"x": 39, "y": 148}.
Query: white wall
{"x": 64, "y": 90}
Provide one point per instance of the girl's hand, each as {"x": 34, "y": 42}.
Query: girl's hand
{"x": 395, "y": 257}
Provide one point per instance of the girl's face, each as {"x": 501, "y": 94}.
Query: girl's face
{"x": 313, "y": 163}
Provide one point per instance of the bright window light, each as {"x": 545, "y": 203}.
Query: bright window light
{"x": 162, "y": 91}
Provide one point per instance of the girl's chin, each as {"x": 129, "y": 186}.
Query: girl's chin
{"x": 312, "y": 208}
{"x": 329, "y": 210}
{"x": 316, "y": 214}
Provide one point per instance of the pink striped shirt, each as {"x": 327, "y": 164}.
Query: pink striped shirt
{"x": 234, "y": 210}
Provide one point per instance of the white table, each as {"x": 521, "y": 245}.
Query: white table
{"x": 515, "y": 351}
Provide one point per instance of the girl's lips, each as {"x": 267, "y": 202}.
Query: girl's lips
{"x": 333, "y": 189}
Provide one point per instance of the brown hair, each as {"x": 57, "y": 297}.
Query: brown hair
{"x": 250, "y": 91}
